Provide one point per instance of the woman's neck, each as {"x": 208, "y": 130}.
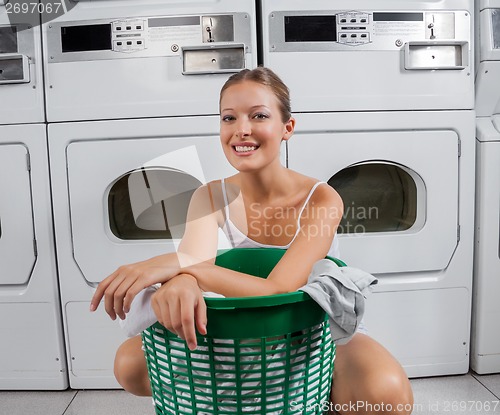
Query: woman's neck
{"x": 266, "y": 187}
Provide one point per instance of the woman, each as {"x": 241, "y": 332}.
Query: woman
{"x": 264, "y": 204}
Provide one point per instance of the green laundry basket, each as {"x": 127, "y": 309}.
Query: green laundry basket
{"x": 261, "y": 355}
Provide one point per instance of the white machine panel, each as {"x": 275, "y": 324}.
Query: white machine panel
{"x": 485, "y": 353}
{"x": 485, "y": 357}
{"x": 21, "y": 86}
{"x": 119, "y": 59}
{"x": 31, "y": 347}
{"x": 417, "y": 54}
{"x": 488, "y": 71}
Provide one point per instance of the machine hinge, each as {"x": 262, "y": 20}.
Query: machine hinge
{"x": 458, "y": 233}
{"x": 35, "y": 247}
{"x": 28, "y": 162}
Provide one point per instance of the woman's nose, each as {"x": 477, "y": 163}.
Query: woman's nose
{"x": 243, "y": 128}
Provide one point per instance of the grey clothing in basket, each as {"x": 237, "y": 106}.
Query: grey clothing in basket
{"x": 341, "y": 292}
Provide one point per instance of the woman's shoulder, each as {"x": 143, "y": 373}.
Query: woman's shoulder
{"x": 216, "y": 194}
{"x": 321, "y": 194}
{"x": 322, "y": 190}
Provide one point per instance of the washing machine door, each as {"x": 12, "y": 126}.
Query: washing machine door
{"x": 399, "y": 187}
{"x": 17, "y": 239}
{"x": 31, "y": 345}
{"x": 128, "y": 194}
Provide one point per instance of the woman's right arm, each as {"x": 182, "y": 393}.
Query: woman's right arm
{"x": 198, "y": 244}
{"x": 180, "y": 307}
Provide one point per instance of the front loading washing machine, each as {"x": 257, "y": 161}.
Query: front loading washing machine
{"x": 122, "y": 179}
{"x": 32, "y": 352}
{"x": 383, "y": 97}
{"x": 112, "y": 183}
{"x": 485, "y": 356}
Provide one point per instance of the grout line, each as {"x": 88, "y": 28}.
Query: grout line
{"x": 486, "y": 387}
{"x": 70, "y": 402}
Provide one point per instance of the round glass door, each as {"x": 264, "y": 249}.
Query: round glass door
{"x": 150, "y": 203}
{"x": 378, "y": 197}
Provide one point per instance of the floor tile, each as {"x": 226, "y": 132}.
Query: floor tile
{"x": 35, "y": 402}
{"x": 491, "y": 382}
{"x": 461, "y": 395}
{"x": 109, "y": 402}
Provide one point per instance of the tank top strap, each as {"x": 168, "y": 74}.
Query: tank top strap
{"x": 224, "y": 196}
{"x": 306, "y": 201}
{"x": 227, "y": 224}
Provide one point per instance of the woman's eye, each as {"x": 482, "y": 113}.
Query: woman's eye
{"x": 261, "y": 116}
{"x": 227, "y": 118}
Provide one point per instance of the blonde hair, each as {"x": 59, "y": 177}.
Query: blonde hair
{"x": 264, "y": 76}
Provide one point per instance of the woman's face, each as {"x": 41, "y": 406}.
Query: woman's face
{"x": 251, "y": 128}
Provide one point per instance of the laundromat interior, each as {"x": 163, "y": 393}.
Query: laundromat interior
{"x": 108, "y": 107}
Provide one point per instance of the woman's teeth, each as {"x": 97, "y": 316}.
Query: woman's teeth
{"x": 243, "y": 149}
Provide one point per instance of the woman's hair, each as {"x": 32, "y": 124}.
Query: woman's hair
{"x": 264, "y": 76}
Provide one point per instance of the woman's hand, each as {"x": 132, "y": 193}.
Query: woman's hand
{"x": 120, "y": 288}
{"x": 180, "y": 307}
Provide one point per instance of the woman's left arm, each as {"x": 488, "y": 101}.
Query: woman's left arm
{"x": 318, "y": 227}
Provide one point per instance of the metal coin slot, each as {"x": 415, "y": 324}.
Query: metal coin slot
{"x": 8, "y": 39}
{"x": 213, "y": 60}
{"x": 440, "y": 25}
{"x": 14, "y": 69}
{"x": 218, "y": 28}
{"x": 434, "y": 56}
{"x": 495, "y": 28}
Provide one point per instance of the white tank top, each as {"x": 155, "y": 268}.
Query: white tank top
{"x": 238, "y": 239}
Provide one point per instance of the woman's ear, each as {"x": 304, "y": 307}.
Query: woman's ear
{"x": 289, "y": 129}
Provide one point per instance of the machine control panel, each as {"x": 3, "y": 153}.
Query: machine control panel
{"x": 206, "y": 43}
{"x": 321, "y": 30}
{"x": 353, "y": 28}
{"x": 128, "y": 35}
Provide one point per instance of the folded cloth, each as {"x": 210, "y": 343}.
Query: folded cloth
{"x": 141, "y": 314}
{"x": 341, "y": 292}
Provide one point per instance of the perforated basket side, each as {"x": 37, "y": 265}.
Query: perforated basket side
{"x": 285, "y": 374}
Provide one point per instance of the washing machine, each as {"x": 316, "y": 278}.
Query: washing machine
{"x": 132, "y": 103}
{"x": 32, "y": 354}
{"x": 118, "y": 59}
{"x": 383, "y": 95}
{"x": 485, "y": 356}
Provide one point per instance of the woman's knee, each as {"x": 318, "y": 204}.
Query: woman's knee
{"x": 391, "y": 393}
{"x": 368, "y": 375}
{"x": 130, "y": 368}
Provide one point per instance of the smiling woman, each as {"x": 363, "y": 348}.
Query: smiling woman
{"x": 255, "y": 120}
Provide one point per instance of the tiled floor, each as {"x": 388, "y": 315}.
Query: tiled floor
{"x": 467, "y": 394}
